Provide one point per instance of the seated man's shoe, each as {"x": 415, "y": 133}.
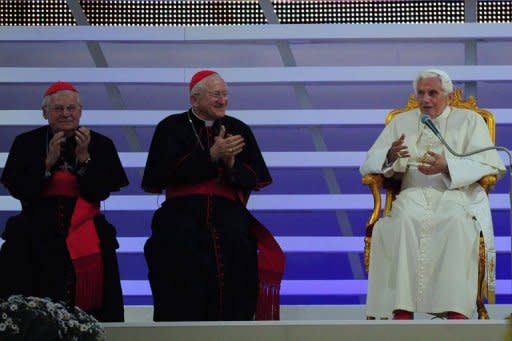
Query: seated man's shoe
{"x": 400, "y": 314}
{"x": 453, "y": 315}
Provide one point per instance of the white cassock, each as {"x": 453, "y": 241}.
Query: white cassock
{"x": 424, "y": 255}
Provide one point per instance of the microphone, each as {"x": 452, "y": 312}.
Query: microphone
{"x": 426, "y": 120}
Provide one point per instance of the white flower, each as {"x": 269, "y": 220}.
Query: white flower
{"x": 69, "y": 321}
{"x": 73, "y": 323}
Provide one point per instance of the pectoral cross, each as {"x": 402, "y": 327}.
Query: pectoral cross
{"x": 425, "y": 157}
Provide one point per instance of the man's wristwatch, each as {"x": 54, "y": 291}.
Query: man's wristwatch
{"x": 84, "y": 163}
{"x": 81, "y": 167}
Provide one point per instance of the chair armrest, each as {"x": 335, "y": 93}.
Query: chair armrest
{"x": 374, "y": 181}
{"x": 487, "y": 182}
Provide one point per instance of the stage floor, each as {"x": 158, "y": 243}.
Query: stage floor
{"x": 318, "y": 313}
{"x": 318, "y": 323}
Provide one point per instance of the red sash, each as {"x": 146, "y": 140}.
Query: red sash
{"x": 271, "y": 259}
{"x": 82, "y": 242}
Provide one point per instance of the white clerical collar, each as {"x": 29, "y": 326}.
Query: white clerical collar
{"x": 207, "y": 123}
{"x": 443, "y": 115}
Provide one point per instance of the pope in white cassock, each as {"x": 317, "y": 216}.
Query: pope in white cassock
{"x": 424, "y": 255}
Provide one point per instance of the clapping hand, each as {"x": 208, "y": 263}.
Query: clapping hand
{"x": 226, "y": 147}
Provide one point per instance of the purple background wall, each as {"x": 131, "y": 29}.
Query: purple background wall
{"x": 20, "y": 91}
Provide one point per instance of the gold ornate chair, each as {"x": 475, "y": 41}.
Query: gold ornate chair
{"x": 378, "y": 182}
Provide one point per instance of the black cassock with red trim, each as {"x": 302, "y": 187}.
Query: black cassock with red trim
{"x": 206, "y": 248}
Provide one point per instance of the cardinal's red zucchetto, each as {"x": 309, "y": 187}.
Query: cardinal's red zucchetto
{"x": 59, "y": 86}
{"x": 199, "y": 76}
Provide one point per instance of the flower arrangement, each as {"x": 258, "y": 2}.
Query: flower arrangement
{"x": 34, "y": 318}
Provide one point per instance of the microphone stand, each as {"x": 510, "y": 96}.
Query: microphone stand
{"x": 503, "y": 149}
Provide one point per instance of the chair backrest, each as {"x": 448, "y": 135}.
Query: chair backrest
{"x": 458, "y": 102}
